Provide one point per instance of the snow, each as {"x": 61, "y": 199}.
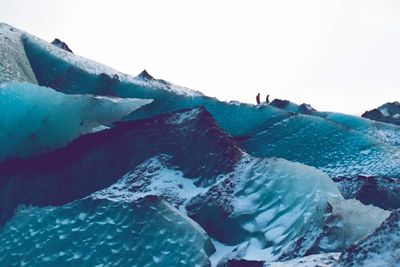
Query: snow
{"x": 152, "y": 178}
{"x": 183, "y": 117}
{"x": 14, "y": 65}
{"x": 316, "y": 260}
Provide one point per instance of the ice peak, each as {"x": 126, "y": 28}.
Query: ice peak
{"x": 57, "y": 42}
{"x": 144, "y": 75}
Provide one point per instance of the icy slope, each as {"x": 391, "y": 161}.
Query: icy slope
{"x": 325, "y": 141}
{"x": 148, "y": 232}
{"x": 14, "y": 65}
{"x": 94, "y": 161}
{"x": 382, "y": 248}
{"x": 37, "y": 119}
{"x": 384, "y": 132}
{"x": 335, "y": 149}
{"x": 50, "y": 54}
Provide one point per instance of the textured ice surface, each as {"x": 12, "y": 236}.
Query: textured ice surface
{"x": 148, "y": 232}
{"x": 14, "y": 65}
{"x": 276, "y": 209}
{"x": 384, "y": 132}
{"x": 382, "y": 248}
{"x": 327, "y": 145}
{"x": 265, "y": 208}
{"x": 37, "y": 119}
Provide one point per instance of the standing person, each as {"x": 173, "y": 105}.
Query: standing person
{"x": 258, "y": 99}
{"x": 267, "y": 99}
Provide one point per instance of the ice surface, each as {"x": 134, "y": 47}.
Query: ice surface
{"x": 14, "y": 65}
{"x": 327, "y": 145}
{"x": 384, "y": 132}
{"x": 263, "y": 207}
{"x": 148, "y": 232}
{"x": 262, "y": 210}
{"x": 37, "y": 119}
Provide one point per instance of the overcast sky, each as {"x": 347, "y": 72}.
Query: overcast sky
{"x": 335, "y": 55}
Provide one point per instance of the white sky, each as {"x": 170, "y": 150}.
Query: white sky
{"x": 338, "y": 55}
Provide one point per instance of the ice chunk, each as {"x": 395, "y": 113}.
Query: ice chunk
{"x": 147, "y": 232}
{"x": 381, "y": 248}
{"x": 348, "y": 222}
{"x": 36, "y": 119}
{"x": 272, "y": 201}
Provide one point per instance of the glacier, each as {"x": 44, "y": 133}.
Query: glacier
{"x": 101, "y": 168}
{"x": 341, "y": 145}
{"x": 273, "y": 206}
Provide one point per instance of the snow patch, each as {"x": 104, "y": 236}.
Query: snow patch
{"x": 183, "y": 117}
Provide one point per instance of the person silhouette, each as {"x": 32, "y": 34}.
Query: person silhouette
{"x": 267, "y": 99}
{"x": 258, "y": 98}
